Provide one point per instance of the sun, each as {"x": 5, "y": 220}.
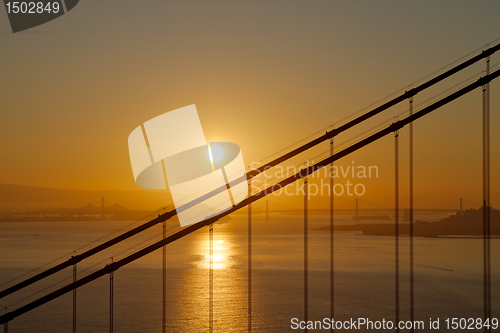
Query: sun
{"x": 216, "y": 153}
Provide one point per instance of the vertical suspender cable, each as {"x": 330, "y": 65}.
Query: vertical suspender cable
{"x": 332, "y": 242}
{"x": 6, "y": 324}
{"x": 211, "y": 278}
{"x": 164, "y": 264}
{"x": 164, "y": 294}
{"x": 111, "y": 276}
{"x": 485, "y": 289}
{"x": 74, "y": 299}
{"x": 250, "y": 259}
{"x": 396, "y": 217}
{"x": 412, "y": 272}
{"x": 486, "y": 203}
{"x": 306, "y": 255}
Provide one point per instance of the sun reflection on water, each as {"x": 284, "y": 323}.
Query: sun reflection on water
{"x": 222, "y": 255}
{"x": 229, "y": 283}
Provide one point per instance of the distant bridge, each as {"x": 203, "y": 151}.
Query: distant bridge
{"x": 356, "y": 210}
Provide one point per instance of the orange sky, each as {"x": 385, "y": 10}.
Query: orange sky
{"x": 262, "y": 74}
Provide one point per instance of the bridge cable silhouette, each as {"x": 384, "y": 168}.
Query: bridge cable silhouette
{"x": 164, "y": 289}
{"x": 301, "y": 174}
{"x": 345, "y": 142}
{"x": 387, "y": 121}
{"x": 332, "y": 237}
{"x": 410, "y": 179}
{"x": 331, "y": 134}
{"x": 386, "y": 97}
{"x": 486, "y": 198}
{"x": 396, "y": 224}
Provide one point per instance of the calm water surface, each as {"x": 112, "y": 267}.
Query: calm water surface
{"x": 448, "y": 276}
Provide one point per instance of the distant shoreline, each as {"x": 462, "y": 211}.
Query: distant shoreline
{"x": 466, "y": 224}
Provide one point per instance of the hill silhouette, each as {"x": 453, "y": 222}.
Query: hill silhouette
{"x": 467, "y": 223}
{"x": 23, "y": 198}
